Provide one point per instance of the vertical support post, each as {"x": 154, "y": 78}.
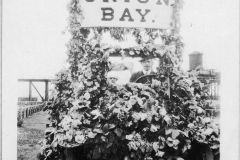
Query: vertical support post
{"x": 46, "y": 90}
{"x": 30, "y": 90}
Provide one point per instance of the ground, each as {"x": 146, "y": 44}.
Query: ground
{"x": 31, "y": 132}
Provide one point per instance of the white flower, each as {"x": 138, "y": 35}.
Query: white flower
{"x": 208, "y": 131}
{"x": 79, "y": 139}
{"x": 145, "y": 129}
{"x": 155, "y": 146}
{"x": 137, "y": 136}
{"x": 87, "y": 96}
{"x": 159, "y": 153}
{"x": 149, "y": 118}
{"x": 133, "y": 100}
{"x": 136, "y": 116}
{"x": 143, "y": 116}
{"x": 66, "y": 122}
{"x": 67, "y": 119}
{"x": 167, "y": 118}
{"x": 176, "y": 142}
{"x": 117, "y": 110}
{"x": 142, "y": 142}
{"x": 75, "y": 115}
{"x": 95, "y": 112}
{"x": 138, "y": 144}
{"x": 142, "y": 148}
{"x": 128, "y": 124}
{"x": 206, "y": 120}
{"x": 79, "y": 133}
{"x": 200, "y": 110}
{"x": 129, "y": 137}
{"x": 69, "y": 136}
{"x": 156, "y": 118}
{"x": 86, "y": 121}
{"x": 190, "y": 125}
{"x": 75, "y": 123}
{"x": 153, "y": 128}
{"x": 132, "y": 145}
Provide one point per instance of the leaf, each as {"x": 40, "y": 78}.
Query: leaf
{"x": 111, "y": 126}
{"x": 96, "y": 153}
{"x": 105, "y": 128}
{"x": 179, "y": 158}
{"x": 140, "y": 102}
{"x": 114, "y": 149}
{"x": 109, "y": 145}
{"x": 184, "y": 149}
{"x": 185, "y": 133}
{"x": 54, "y": 144}
{"x": 207, "y": 151}
{"x": 193, "y": 107}
{"x": 91, "y": 135}
{"x": 98, "y": 130}
{"x": 160, "y": 52}
{"x": 216, "y": 146}
{"x": 175, "y": 133}
{"x": 104, "y": 139}
{"x": 49, "y": 152}
{"x": 111, "y": 137}
{"x": 118, "y": 131}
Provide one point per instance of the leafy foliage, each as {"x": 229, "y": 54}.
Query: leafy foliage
{"x": 132, "y": 121}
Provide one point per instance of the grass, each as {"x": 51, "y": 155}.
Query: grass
{"x": 31, "y": 132}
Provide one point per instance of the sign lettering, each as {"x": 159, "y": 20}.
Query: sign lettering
{"x": 121, "y": 13}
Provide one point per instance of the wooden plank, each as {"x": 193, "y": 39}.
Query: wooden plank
{"x": 37, "y": 91}
{"x": 36, "y": 80}
{"x": 30, "y": 91}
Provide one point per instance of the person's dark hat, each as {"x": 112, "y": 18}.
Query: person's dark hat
{"x": 145, "y": 58}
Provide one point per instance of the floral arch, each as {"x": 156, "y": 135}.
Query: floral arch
{"x": 99, "y": 120}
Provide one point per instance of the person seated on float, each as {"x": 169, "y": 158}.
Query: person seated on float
{"x": 112, "y": 77}
{"x": 147, "y": 64}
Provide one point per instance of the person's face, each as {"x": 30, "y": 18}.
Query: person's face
{"x": 147, "y": 64}
{"x": 113, "y": 80}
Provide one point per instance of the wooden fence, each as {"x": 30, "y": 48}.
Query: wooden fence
{"x": 26, "y": 109}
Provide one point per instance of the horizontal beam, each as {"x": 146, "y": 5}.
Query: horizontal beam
{"x": 36, "y": 80}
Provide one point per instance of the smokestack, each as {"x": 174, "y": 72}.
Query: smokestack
{"x": 195, "y": 60}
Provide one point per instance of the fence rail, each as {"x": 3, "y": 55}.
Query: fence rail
{"x": 27, "y": 103}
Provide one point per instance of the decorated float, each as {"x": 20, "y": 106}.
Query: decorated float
{"x": 160, "y": 119}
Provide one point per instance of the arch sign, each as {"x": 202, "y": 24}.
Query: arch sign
{"x": 128, "y": 13}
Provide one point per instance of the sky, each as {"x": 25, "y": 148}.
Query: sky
{"x": 37, "y": 43}
{"x": 34, "y": 47}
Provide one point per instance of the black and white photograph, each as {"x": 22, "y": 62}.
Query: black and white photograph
{"x": 120, "y": 80}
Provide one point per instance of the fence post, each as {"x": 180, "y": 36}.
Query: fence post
{"x": 30, "y": 90}
{"x": 46, "y": 90}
